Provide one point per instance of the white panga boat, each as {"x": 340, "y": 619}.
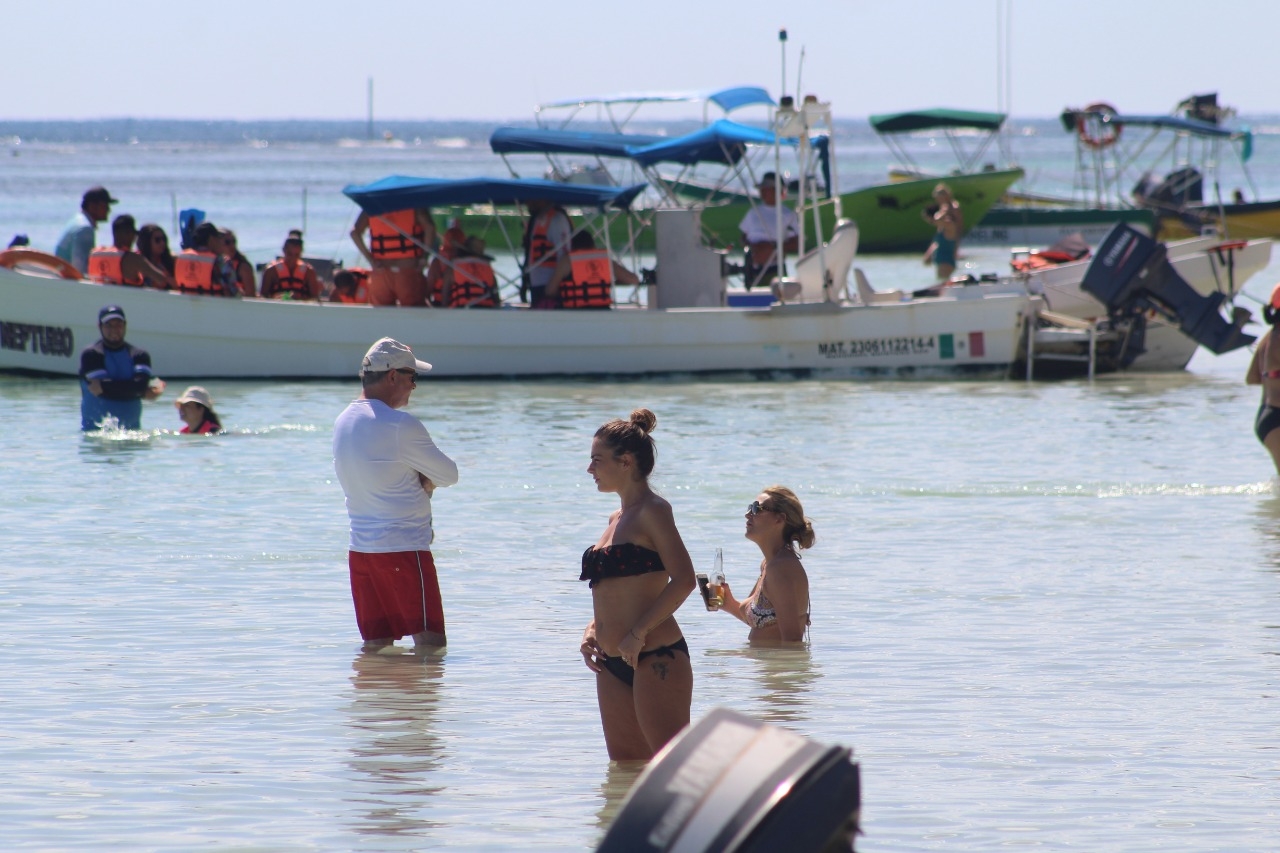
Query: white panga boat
{"x": 45, "y": 322}
{"x": 687, "y": 326}
{"x": 1209, "y": 265}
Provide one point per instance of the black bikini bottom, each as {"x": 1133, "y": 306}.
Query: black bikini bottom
{"x": 1267, "y": 420}
{"x": 623, "y": 671}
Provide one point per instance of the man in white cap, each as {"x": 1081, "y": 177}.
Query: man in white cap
{"x": 388, "y": 467}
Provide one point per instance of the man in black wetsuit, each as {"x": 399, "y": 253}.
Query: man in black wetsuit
{"x": 115, "y": 377}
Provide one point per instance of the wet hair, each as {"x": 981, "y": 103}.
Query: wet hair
{"x": 632, "y": 437}
{"x": 797, "y": 527}
{"x": 209, "y": 415}
{"x": 582, "y": 241}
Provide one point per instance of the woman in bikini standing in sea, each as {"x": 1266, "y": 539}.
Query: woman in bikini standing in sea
{"x": 639, "y": 573}
{"x": 1264, "y": 370}
{"x": 777, "y": 610}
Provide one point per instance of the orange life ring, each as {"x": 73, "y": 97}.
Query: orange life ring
{"x": 11, "y": 258}
{"x": 1096, "y": 127}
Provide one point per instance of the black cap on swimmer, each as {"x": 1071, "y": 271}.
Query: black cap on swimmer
{"x": 110, "y": 312}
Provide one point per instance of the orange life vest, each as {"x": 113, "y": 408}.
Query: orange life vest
{"x": 387, "y": 235}
{"x": 539, "y": 250}
{"x": 591, "y": 283}
{"x": 294, "y": 282}
{"x": 361, "y": 296}
{"x": 474, "y": 284}
{"x": 106, "y": 264}
{"x": 193, "y": 271}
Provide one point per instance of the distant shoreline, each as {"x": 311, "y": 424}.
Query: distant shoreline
{"x": 225, "y": 131}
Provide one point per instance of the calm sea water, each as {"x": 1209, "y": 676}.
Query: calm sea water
{"x": 1045, "y": 616}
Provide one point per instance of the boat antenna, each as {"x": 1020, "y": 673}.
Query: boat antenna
{"x": 369, "y": 127}
{"x": 782, "y": 41}
{"x": 800, "y": 73}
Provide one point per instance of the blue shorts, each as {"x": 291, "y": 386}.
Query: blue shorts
{"x": 945, "y": 251}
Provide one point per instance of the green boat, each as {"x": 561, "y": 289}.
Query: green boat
{"x": 888, "y": 215}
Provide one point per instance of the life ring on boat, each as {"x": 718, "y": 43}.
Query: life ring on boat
{"x": 1096, "y": 127}
{"x": 11, "y": 258}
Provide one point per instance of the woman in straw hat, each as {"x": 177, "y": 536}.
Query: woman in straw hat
{"x": 195, "y": 407}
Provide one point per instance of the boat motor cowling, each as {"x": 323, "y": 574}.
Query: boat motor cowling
{"x": 1130, "y": 274}
{"x": 732, "y": 784}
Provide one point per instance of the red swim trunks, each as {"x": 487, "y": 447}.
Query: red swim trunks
{"x": 396, "y": 595}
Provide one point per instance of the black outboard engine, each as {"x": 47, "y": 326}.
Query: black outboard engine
{"x": 732, "y": 784}
{"x": 1131, "y": 274}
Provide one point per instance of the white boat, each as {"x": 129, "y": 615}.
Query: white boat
{"x": 1208, "y": 264}
{"x": 686, "y": 325}
{"x": 46, "y": 321}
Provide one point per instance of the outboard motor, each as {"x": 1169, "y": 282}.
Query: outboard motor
{"x": 731, "y": 784}
{"x": 1131, "y": 274}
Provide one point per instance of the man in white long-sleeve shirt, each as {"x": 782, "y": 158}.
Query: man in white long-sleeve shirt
{"x": 388, "y": 467}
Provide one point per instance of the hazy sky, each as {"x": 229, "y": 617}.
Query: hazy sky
{"x": 232, "y": 59}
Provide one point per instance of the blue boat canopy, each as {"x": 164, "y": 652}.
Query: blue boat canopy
{"x": 723, "y": 141}
{"x": 399, "y": 192}
{"x": 939, "y": 119}
{"x": 1183, "y": 125}
{"x": 732, "y": 98}
{"x": 538, "y": 140}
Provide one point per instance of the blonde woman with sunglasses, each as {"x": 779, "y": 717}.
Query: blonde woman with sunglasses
{"x": 777, "y": 610}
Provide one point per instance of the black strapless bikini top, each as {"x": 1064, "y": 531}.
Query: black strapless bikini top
{"x": 622, "y": 560}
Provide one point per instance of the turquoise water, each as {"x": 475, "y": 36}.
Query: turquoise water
{"x": 1045, "y": 615}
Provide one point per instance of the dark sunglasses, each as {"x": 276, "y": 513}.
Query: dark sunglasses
{"x": 413, "y": 376}
{"x": 755, "y": 508}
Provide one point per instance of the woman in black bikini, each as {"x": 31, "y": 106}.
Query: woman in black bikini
{"x": 640, "y": 574}
{"x": 1264, "y": 370}
{"x": 777, "y": 610}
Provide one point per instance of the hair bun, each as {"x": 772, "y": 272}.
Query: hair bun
{"x": 644, "y": 420}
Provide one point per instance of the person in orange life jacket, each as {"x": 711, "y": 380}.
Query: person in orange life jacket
{"x": 439, "y": 274}
{"x": 582, "y": 278}
{"x": 119, "y": 264}
{"x": 290, "y": 275}
{"x": 546, "y": 240}
{"x": 396, "y": 254}
{"x": 472, "y": 283}
{"x": 195, "y": 407}
{"x": 201, "y": 269}
{"x": 351, "y": 286}
{"x": 239, "y": 263}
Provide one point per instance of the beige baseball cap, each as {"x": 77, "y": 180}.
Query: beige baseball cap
{"x": 390, "y": 354}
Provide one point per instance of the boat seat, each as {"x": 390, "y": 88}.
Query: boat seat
{"x": 838, "y": 253}
{"x": 867, "y": 296}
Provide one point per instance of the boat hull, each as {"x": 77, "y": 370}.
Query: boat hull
{"x": 1242, "y": 221}
{"x": 888, "y": 215}
{"x": 45, "y": 322}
